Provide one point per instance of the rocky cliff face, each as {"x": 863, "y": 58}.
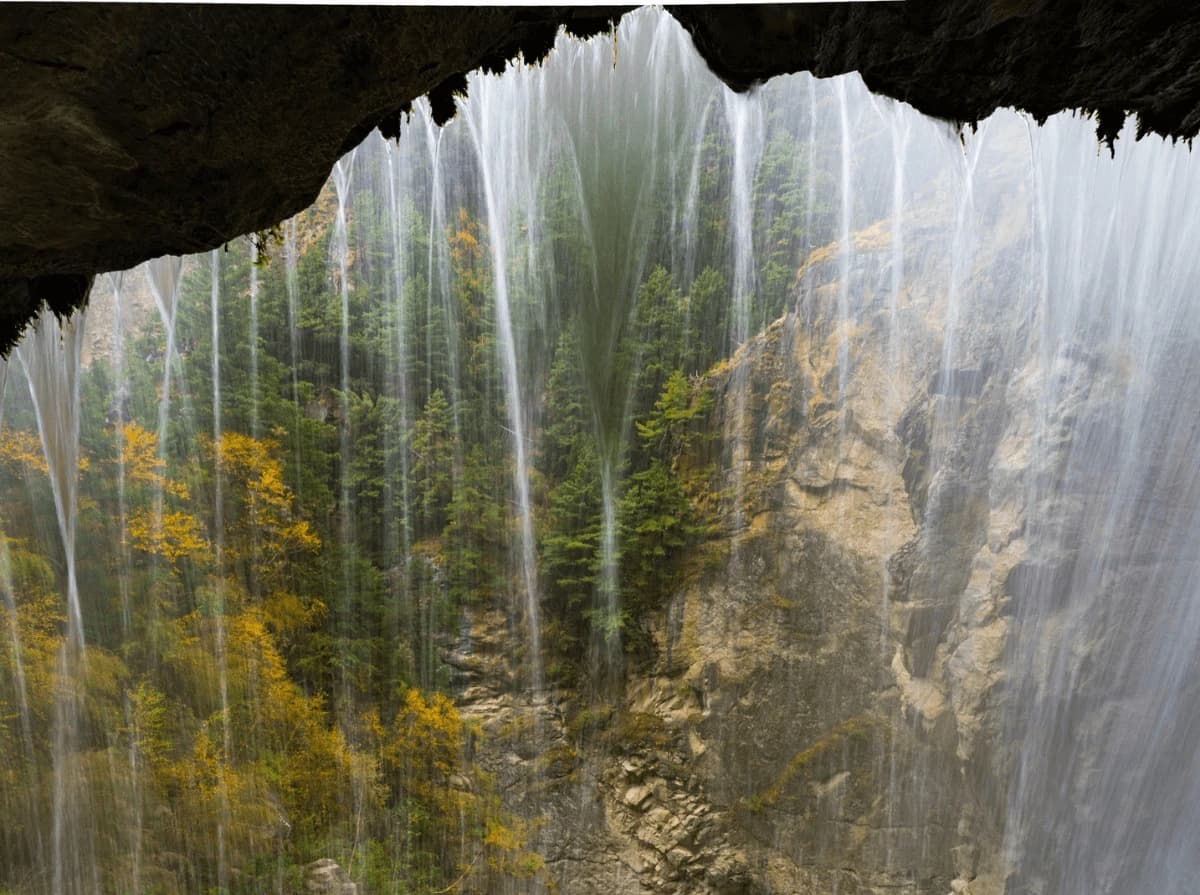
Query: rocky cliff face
{"x": 826, "y": 703}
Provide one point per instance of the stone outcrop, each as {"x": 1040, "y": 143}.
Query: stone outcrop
{"x": 129, "y": 131}
{"x": 326, "y": 877}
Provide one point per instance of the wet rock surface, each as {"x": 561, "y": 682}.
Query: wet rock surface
{"x": 326, "y": 877}
{"x": 825, "y": 701}
{"x": 128, "y": 132}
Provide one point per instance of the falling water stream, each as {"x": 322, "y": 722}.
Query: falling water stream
{"x": 49, "y": 360}
{"x": 628, "y": 485}
{"x": 498, "y": 161}
{"x": 745, "y": 124}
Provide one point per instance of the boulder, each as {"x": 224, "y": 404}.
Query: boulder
{"x": 326, "y": 877}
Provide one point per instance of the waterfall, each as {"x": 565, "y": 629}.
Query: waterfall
{"x": 746, "y": 127}
{"x": 117, "y": 415}
{"x": 1106, "y": 618}
{"x": 401, "y": 358}
{"x": 254, "y": 384}
{"x": 627, "y": 485}
{"x": 342, "y": 174}
{"x": 845, "y": 237}
{"x": 218, "y": 426}
{"x": 163, "y": 275}
{"x": 292, "y": 286}
{"x": 49, "y": 359}
{"x": 219, "y": 521}
{"x": 499, "y": 208}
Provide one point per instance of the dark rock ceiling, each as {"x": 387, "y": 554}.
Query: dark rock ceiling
{"x": 129, "y": 131}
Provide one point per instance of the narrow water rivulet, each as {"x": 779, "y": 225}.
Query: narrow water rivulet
{"x": 629, "y": 486}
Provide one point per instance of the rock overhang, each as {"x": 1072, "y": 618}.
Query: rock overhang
{"x": 130, "y": 131}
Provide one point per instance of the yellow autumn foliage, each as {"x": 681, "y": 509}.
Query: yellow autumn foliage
{"x": 505, "y": 842}
{"x": 288, "y": 614}
{"x": 419, "y": 754}
{"x": 256, "y": 473}
{"x": 465, "y": 239}
{"x": 146, "y": 724}
{"x": 422, "y": 758}
{"x": 467, "y": 254}
{"x": 35, "y": 650}
{"x": 143, "y": 465}
{"x": 33, "y": 619}
{"x": 22, "y": 448}
{"x": 209, "y": 793}
{"x": 175, "y": 536}
{"x": 427, "y": 737}
{"x": 282, "y": 751}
